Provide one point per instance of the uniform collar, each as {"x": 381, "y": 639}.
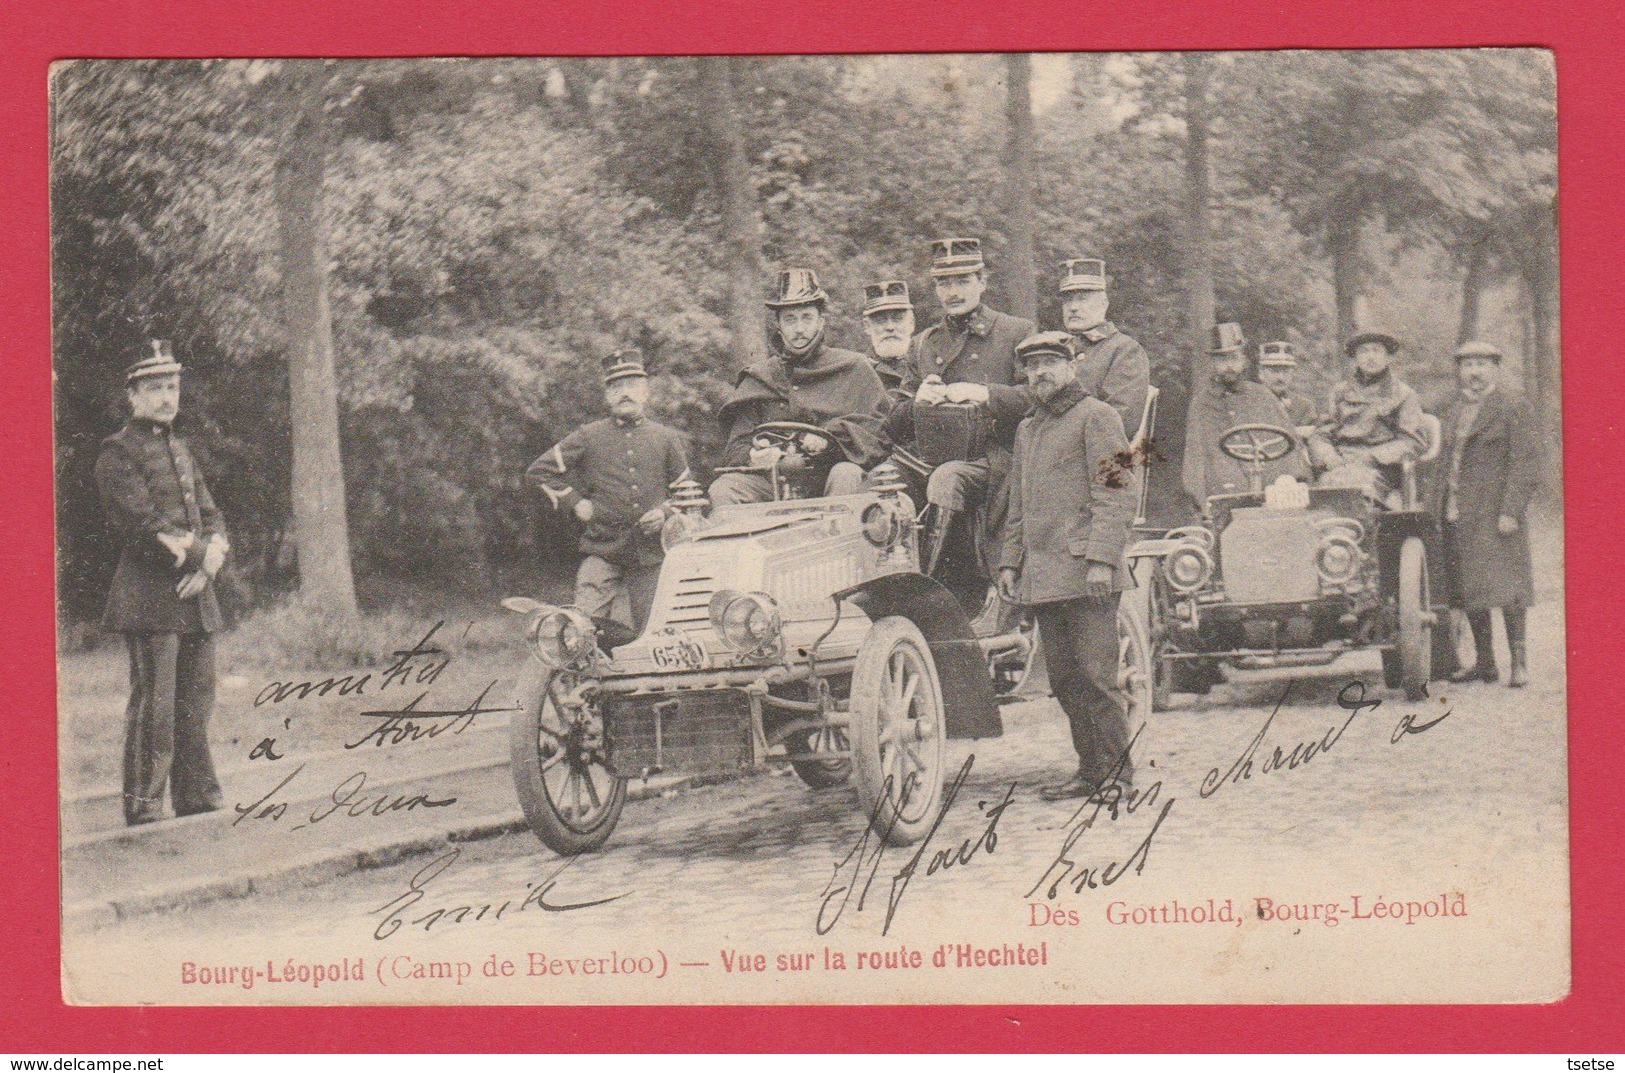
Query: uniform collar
{"x": 978, "y": 322}
{"x": 1104, "y": 330}
{"x": 1064, "y": 399}
{"x": 627, "y": 422}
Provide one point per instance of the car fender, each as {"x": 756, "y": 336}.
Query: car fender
{"x": 1393, "y": 529}
{"x": 967, "y": 690}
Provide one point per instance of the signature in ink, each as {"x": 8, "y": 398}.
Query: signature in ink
{"x": 536, "y": 895}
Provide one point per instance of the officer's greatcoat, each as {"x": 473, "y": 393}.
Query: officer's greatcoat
{"x": 1072, "y": 498}
{"x": 1497, "y": 474}
{"x": 1215, "y": 410}
{"x": 150, "y": 485}
{"x": 978, "y": 348}
{"x": 1113, "y": 368}
{"x": 835, "y": 389}
{"x": 624, "y": 468}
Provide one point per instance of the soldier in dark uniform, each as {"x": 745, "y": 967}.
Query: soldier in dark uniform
{"x": 1229, "y": 399}
{"x": 969, "y": 356}
{"x": 888, "y": 321}
{"x": 1112, "y": 366}
{"x": 807, "y": 381}
{"x": 612, "y": 475}
{"x": 1276, "y": 364}
{"x": 1069, "y": 521}
{"x": 162, "y": 598}
{"x": 1372, "y": 423}
{"x": 1485, "y": 475}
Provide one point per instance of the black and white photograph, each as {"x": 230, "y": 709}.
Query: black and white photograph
{"x": 918, "y": 529}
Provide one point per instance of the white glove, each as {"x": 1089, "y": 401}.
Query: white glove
{"x": 814, "y": 445}
{"x": 763, "y": 457}
{"x": 191, "y": 584}
{"x": 965, "y": 392}
{"x": 931, "y": 392}
{"x": 214, "y": 556}
{"x": 652, "y": 520}
{"x": 583, "y": 510}
{"x": 178, "y": 546}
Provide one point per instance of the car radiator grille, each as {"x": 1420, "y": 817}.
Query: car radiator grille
{"x": 698, "y": 733}
{"x": 1268, "y": 557}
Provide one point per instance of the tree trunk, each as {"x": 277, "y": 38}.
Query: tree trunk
{"x": 741, "y": 222}
{"x": 1343, "y": 240}
{"x": 321, "y": 531}
{"x": 1021, "y": 275}
{"x": 1200, "y": 300}
{"x": 1543, "y": 373}
{"x": 1474, "y": 282}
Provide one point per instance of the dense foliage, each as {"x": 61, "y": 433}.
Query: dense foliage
{"x": 494, "y": 226}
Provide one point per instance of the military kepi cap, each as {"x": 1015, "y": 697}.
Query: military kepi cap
{"x": 797, "y": 287}
{"x": 1475, "y": 349}
{"x": 1225, "y": 338}
{"x": 956, "y": 256}
{"x": 1053, "y": 344}
{"x": 1389, "y": 342}
{"x": 1083, "y": 274}
{"x": 1278, "y": 355}
{"x": 887, "y": 294}
{"x": 622, "y": 365}
{"x": 159, "y": 363}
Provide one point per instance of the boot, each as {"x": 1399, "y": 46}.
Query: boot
{"x": 937, "y": 539}
{"x": 1520, "y": 666}
{"x": 1079, "y": 785}
{"x": 1483, "y": 668}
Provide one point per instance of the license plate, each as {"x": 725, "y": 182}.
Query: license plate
{"x": 675, "y": 651}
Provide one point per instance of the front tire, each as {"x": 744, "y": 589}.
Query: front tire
{"x": 900, "y": 731}
{"x": 1415, "y": 647}
{"x": 1135, "y": 674}
{"x": 557, "y": 754}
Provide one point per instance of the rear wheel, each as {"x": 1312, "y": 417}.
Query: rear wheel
{"x": 1415, "y": 647}
{"x": 560, "y": 767}
{"x": 900, "y": 731}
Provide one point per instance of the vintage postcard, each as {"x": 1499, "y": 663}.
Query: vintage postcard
{"x": 997, "y": 528}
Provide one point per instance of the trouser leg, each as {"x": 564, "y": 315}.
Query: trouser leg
{"x": 598, "y": 586}
{"x": 193, "y": 784}
{"x": 149, "y": 729}
{"x": 957, "y": 486}
{"x": 731, "y": 489}
{"x": 641, "y": 582}
{"x": 1479, "y": 623}
{"x": 845, "y": 479}
{"x": 1513, "y": 617}
{"x": 1080, "y": 644}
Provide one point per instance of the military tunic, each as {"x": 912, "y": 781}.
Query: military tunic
{"x": 150, "y": 486}
{"x": 1215, "y": 410}
{"x": 977, "y": 348}
{"x": 1113, "y": 368}
{"x": 624, "y": 468}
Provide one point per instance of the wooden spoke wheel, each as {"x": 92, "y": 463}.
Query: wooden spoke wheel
{"x": 558, "y": 756}
{"x": 900, "y": 731}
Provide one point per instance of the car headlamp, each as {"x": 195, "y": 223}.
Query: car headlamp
{"x": 1338, "y": 558}
{"x": 882, "y": 524}
{"x": 748, "y": 621}
{"x": 564, "y": 637}
{"x": 1187, "y": 568}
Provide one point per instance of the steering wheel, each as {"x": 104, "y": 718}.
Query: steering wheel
{"x": 787, "y": 434}
{"x": 1257, "y": 444}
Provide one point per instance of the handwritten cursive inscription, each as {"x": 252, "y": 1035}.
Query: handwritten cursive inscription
{"x": 535, "y": 895}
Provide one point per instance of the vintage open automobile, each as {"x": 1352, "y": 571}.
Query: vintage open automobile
{"x": 798, "y": 631}
{"x": 1290, "y": 576}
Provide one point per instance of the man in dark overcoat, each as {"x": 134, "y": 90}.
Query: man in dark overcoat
{"x": 1226, "y": 400}
{"x": 967, "y": 357}
{"x": 1071, "y": 508}
{"x": 162, "y": 598}
{"x": 1479, "y": 489}
{"x": 805, "y": 380}
{"x": 1112, "y": 365}
{"x": 612, "y": 474}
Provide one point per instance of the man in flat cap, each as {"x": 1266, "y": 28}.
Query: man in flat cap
{"x": 1229, "y": 399}
{"x": 888, "y": 321}
{"x": 808, "y": 381}
{"x": 612, "y": 474}
{"x": 1277, "y": 362}
{"x": 1112, "y": 366}
{"x": 1372, "y": 423}
{"x": 162, "y": 598}
{"x": 1071, "y": 510}
{"x": 967, "y": 357}
{"x": 1480, "y": 487}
